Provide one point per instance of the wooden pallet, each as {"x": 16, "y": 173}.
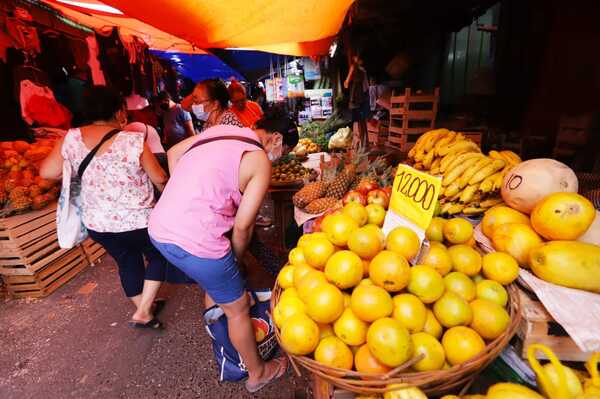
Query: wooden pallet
{"x": 28, "y": 242}
{"x": 48, "y": 279}
{"x": 93, "y": 251}
{"x": 377, "y": 133}
{"x": 538, "y": 327}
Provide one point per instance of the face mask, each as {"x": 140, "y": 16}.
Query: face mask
{"x": 198, "y": 110}
{"x": 164, "y": 107}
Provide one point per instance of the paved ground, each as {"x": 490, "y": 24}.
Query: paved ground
{"x": 77, "y": 344}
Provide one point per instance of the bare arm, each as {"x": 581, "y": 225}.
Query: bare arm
{"x": 178, "y": 150}
{"x": 51, "y": 167}
{"x": 152, "y": 167}
{"x": 189, "y": 128}
{"x": 254, "y": 193}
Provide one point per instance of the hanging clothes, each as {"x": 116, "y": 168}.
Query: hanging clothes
{"x": 39, "y": 105}
{"x": 93, "y": 63}
{"x": 114, "y": 60}
{"x": 24, "y": 35}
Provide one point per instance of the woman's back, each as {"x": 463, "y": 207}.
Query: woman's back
{"x": 116, "y": 192}
{"x": 200, "y": 201}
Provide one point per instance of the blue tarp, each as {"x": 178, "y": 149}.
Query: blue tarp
{"x": 200, "y": 66}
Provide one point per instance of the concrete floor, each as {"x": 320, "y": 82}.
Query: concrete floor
{"x": 76, "y": 344}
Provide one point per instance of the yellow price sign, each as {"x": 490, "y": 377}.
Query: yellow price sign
{"x": 414, "y": 195}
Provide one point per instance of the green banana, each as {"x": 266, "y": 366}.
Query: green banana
{"x": 490, "y": 169}
{"x": 453, "y": 174}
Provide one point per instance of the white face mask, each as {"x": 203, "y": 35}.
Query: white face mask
{"x": 198, "y": 110}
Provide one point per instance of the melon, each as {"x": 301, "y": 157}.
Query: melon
{"x": 530, "y": 181}
{"x": 562, "y": 216}
{"x": 592, "y": 235}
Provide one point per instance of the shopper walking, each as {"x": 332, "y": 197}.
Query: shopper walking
{"x": 116, "y": 194}
{"x": 218, "y": 181}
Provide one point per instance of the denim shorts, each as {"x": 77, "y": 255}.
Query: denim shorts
{"x": 219, "y": 278}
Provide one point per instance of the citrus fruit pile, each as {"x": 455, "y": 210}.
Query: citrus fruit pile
{"x": 352, "y": 300}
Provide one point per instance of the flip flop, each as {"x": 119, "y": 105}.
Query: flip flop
{"x": 159, "y": 305}
{"x": 153, "y": 324}
{"x": 282, "y": 366}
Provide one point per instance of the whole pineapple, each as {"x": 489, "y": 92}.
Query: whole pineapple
{"x": 309, "y": 193}
{"x": 346, "y": 176}
{"x": 3, "y": 198}
{"x": 21, "y": 203}
{"x": 18, "y": 192}
{"x": 320, "y": 205}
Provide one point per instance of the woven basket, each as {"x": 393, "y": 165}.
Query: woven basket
{"x": 431, "y": 382}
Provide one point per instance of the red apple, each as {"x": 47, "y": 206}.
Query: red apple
{"x": 378, "y": 197}
{"x": 354, "y": 196}
{"x": 367, "y": 185}
{"x": 388, "y": 190}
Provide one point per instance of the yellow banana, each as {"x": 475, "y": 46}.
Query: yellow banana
{"x": 465, "y": 177}
{"x": 460, "y": 160}
{"x": 418, "y": 166}
{"x": 514, "y": 158}
{"x": 495, "y": 155}
{"x": 473, "y": 210}
{"x": 436, "y": 163}
{"x": 453, "y": 174}
{"x": 447, "y": 160}
{"x": 438, "y": 134}
{"x": 444, "y": 209}
{"x": 420, "y": 154}
{"x": 488, "y": 203}
{"x": 412, "y": 151}
{"x": 460, "y": 145}
{"x": 455, "y": 208}
{"x": 487, "y": 184}
{"x": 492, "y": 168}
{"x": 498, "y": 181}
{"x": 451, "y": 190}
{"x": 428, "y": 159}
{"x": 434, "y": 171}
{"x": 468, "y": 194}
{"x": 447, "y": 139}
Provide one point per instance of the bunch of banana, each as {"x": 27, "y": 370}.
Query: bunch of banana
{"x": 436, "y": 147}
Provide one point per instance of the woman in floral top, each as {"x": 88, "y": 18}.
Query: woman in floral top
{"x": 210, "y": 99}
{"x": 117, "y": 195}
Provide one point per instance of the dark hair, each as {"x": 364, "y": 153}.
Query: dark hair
{"x": 216, "y": 90}
{"x": 276, "y": 119}
{"x": 101, "y": 103}
{"x": 163, "y": 96}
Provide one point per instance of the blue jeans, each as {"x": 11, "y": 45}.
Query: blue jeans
{"x": 219, "y": 278}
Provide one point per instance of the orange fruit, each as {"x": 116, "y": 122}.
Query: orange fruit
{"x": 317, "y": 251}
{"x": 435, "y": 231}
{"x": 460, "y": 284}
{"x": 300, "y": 335}
{"x": 325, "y": 304}
{"x": 458, "y": 231}
{"x": 289, "y": 293}
{"x": 285, "y": 278}
{"x": 500, "y": 215}
{"x": 490, "y": 320}
{"x": 286, "y": 308}
{"x": 431, "y": 348}
{"x": 325, "y": 330}
{"x": 410, "y": 311}
{"x": 366, "y": 281}
{"x": 296, "y": 256}
{"x": 365, "y": 242}
{"x": 338, "y": 229}
{"x": 465, "y": 259}
{"x": 309, "y": 282}
{"x": 366, "y": 264}
{"x": 350, "y": 329}
{"x": 369, "y": 302}
{"x": 426, "y": 283}
{"x": 438, "y": 258}
{"x": 357, "y": 212}
{"x": 516, "y": 239}
{"x": 389, "y": 341}
{"x": 377, "y": 230}
{"x": 562, "y": 216}
{"x": 432, "y": 325}
{"x": 346, "y": 299}
{"x": 492, "y": 291}
{"x": 403, "y": 241}
{"x": 365, "y": 362}
{"x": 332, "y": 352}
{"x": 452, "y": 310}
{"x": 301, "y": 271}
{"x": 500, "y": 267}
{"x": 390, "y": 271}
{"x": 344, "y": 269}
{"x": 376, "y": 214}
{"x": 302, "y": 241}
{"x": 461, "y": 344}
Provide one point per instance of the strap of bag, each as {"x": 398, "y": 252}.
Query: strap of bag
{"x": 237, "y": 138}
{"x": 86, "y": 161}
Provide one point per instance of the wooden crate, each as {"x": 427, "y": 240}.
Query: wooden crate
{"x": 48, "y": 279}
{"x": 377, "y": 132}
{"x": 411, "y": 115}
{"x": 28, "y": 242}
{"x": 538, "y": 327}
{"x": 93, "y": 251}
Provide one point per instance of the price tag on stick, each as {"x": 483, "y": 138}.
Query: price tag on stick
{"x": 413, "y": 201}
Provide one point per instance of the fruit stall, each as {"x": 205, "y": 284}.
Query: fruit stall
{"x": 507, "y": 262}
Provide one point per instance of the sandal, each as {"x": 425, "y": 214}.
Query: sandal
{"x": 159, "y": 305}
{"x": 153, "y": 324}
{"x": 280, "y": 371}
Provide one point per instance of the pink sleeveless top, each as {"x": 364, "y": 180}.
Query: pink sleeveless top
{"x": 198, "y": 206}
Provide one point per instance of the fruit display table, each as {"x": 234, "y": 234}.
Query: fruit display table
{"x": 283, "y": 210}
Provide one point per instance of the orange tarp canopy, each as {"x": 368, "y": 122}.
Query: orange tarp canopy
{"x": 297, "y": 27}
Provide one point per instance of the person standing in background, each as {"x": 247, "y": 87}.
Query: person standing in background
{"x": 248, "y": 112}
{"x": 177, "y": 122}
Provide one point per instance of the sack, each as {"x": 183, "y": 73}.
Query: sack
{"x": 69, "y": 226}
{"x": 231, "y": 366}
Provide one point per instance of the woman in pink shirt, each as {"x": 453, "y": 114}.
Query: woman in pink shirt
{"x": 197, "y": 210}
